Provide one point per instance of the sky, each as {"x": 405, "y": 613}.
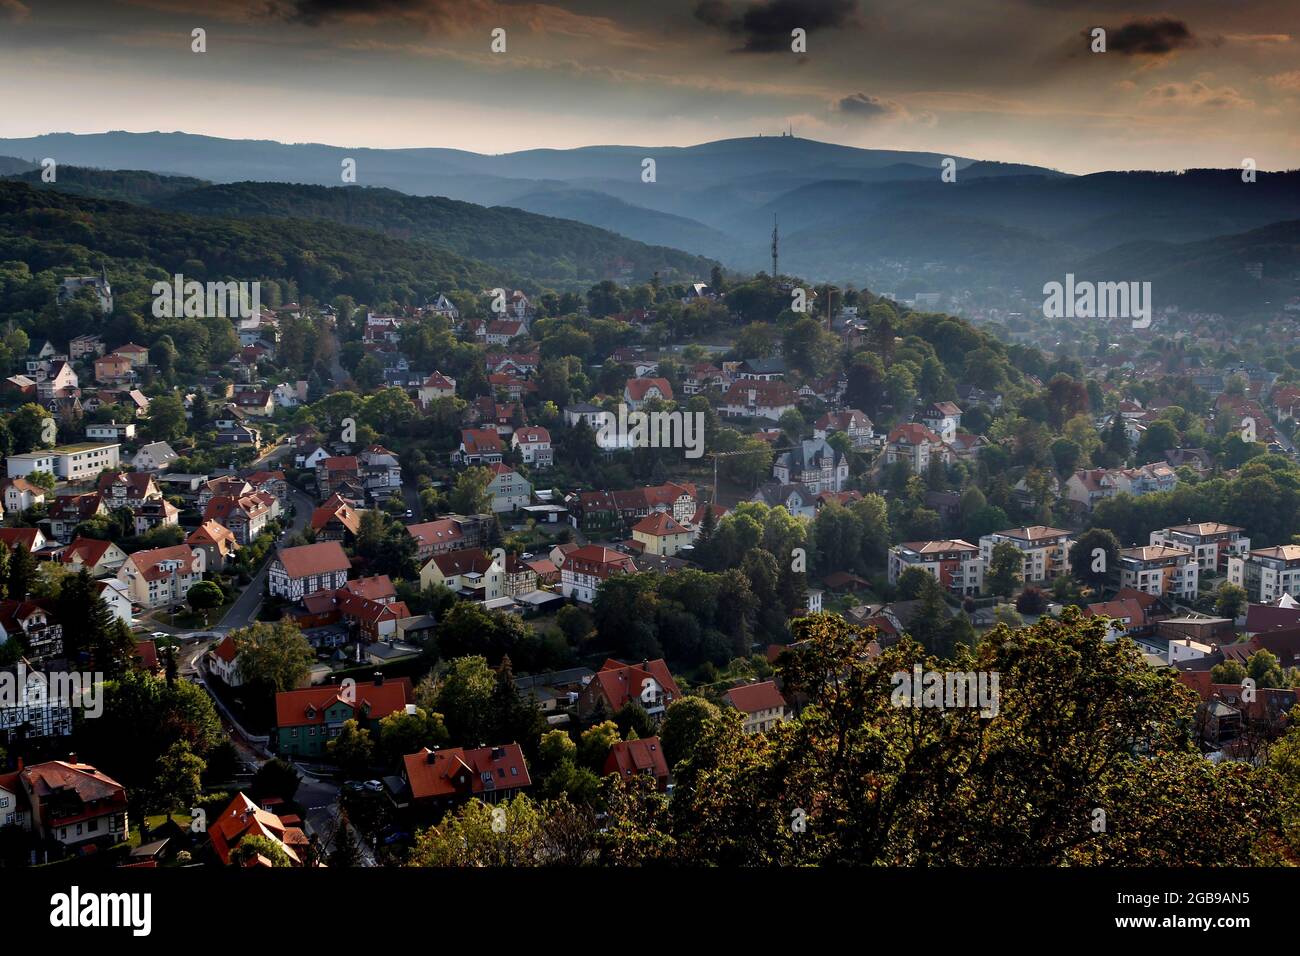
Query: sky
{"x": 1182, "y": 84}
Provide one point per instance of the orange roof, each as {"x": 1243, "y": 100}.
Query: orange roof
{"x": 629, "y": 757}
{"x": 214, "y": 533}
{"x": 300, "y": 708}
{"x": 243, "y": 818}
{"x": 89, "y": 550}
{"x": 638, "y": 387}
{"x": 435, "y": 532}
{"x": 621, "y": 683}
{"x": 659, "y": 524}
{"x": 751, "y": 698}
{"x": 335, "y": 508}
{"x": 445, "y": 773}
{"x": 147, "y": 562}
{"x": 375, "y": 588}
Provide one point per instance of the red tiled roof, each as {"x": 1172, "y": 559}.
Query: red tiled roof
{"x": 436, "y": 532}
{"x": 244, "y": 818}
{"x": 321, "y": 558}
{"x": 637, "y": 388}
{"x": 630, "y": 757}
{"x": 374, "y": 701}
{"x": 375, "y": 588}
{"x": 751, "y": 698}
{"x": 89, "y": 550}
{"x": 621, "y": 683}
{"x": 13, "y": 537}
{"x": 445, "y": 773}
{"x": 659, "y": 524}
{"x": 146, "y": 562}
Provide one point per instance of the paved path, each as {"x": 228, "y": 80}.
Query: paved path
{"x": 244, "y": 611}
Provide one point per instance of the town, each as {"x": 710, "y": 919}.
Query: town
{"x": 347, "y": 571}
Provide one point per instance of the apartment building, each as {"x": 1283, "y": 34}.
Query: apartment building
{"x": 66, "y": 462}
{"x": 957, "y": 565}
{"x": 1046, "y": 550}
{"x": 1159, "y": 570}
{"x": 1212, "y": 542}
{"x": 1267, "y": 573}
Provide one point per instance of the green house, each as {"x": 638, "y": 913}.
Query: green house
{"x": 306, "y": 720}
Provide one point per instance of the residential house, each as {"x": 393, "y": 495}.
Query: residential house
{"x": 307, "y": 719}
{"x": 437, "y": 537}
{"x": 534, "y": 445}
{"x": 852, "y": 422}
{"x": 335, "y": 520}
{"x": 333, "y": 472}
{"x": 101, "y": 558}
{"x": 127, "y": 489}
{"x": 114, "y": 369}
{"x": 32, "y": 539}
{"x": 217, "y": 542}
{"x": 70, "y": 510}
{"x": 587, "y": 568}
{"x": 73, "y": 804}
{"x": 478, "y": 446}
{"x": 246, "y": 516}
{"x": 470, "y": 572}
{"x": 19, "y": 494}
{"x": 154, "y": 456}
{"x": 761, "y": 704}
{"x": 34, "y": 628}
{"x": 638, "y": 391}
{"x": 758, "y": 399}
{"x": 915, "y": 444}
{"x": 381, "y": 473}
{"x": 942, "y": 418}
{"x": 113, "y": 593}
{"x": 814, "y": 464}
{"x": 243, "y": 818}
{"x": 31, "y": 711}
{"x": 223, "y": 660}
{"x": 635, "y": 758}
{"x": 798, "y": 500}
{"x": 111, "y": 432}
{"x": 441, "y": 779}
{"x": 616, "y": 684}
{"x": 509, "y": 489}
{"x": 297, "y": 572}
{"x": 154, "y": 514}
{"x": 660, "y": 533}
{"x": 160, "y": 577}
{"x": 84, "y": 346}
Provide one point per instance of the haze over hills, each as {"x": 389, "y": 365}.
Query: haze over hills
{"x": 881, "y": 218}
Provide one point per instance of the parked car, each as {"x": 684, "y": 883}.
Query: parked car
{"x": 374, "y": 786}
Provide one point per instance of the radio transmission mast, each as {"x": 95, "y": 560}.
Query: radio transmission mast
{"x": 775, "y": 243}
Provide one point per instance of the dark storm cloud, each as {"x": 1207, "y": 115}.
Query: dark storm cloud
{"x": 316, "y": 12}
{"x": 863, "y": 106}
{"x": 1149, "y": 36}
{"x": 765, "y": 27}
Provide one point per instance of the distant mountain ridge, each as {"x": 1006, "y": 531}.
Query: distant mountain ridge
{"x": 868, "y": 216}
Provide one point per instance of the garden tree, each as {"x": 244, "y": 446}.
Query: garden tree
{"x": 514, "y": 716}
{"x": 1229, "y": 672}
{"x": 632, "y": 719}
{"x": 345, "y": 852}
{"x": 153, "y": 715}
{"x": 402, "y": 733}
{"x": 1032, "y": 601}
{"x": 930, "y": 623}
{"x": 470, "y": 495}
{"x": 1159, "y": 436}
{"x": 764, "y": 577}
{"x": 1008, "y": 615}
{"x": 27, "y": 428}
{"x": 179, "y": 780}
{"x": 166, "y": 418}
{"x": 899, "y": 785}
{"x": 1230, "y": 600}
{"x": 1083, "y": 558}
{"x": 1264, "y": 668}
{"x": 624, "y": 611}
{"x": 352, "y": 749}
{"x": 576, "y": 623}
{"x": 465, "y": 697}
{"x": 275, "y": 656}
{"x": 204, "y": 596}
{"x": 223, "y": 762}
{"x": 683, "y": 726}
{"x": 1005, "y": 568}
{"x": 276, "y": 778}
{"x": 913, "y": 582}
{"x": 22, "y": 573}
{"x": 512, "y": 833}
{"x": 254, "y": 846}
{"x": 594, "y": 745}
{"x": 572, "y": 782}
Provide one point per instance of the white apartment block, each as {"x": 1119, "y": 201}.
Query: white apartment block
{"x": 66, "y": 462}
{"x": 1046, "y": 550}
{"x": 1211, "y": 542}
{"x": 955, "y": 564}
{"x": 1267, "y": 573}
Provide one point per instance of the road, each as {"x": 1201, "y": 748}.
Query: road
{"x": 244, "y": 611}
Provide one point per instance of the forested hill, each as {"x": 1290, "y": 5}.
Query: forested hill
{"x": 128, "y": 185}
{"x": 51, "y": 230}
{"x": 556, "y": 252}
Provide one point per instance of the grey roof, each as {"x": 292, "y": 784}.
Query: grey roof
{"x": 572, "y": 675}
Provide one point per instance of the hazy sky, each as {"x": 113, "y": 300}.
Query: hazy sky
{"x": 1184, "y": 82}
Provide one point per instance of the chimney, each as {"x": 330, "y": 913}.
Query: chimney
{"x": 72, "y": 757}
{"x": 379, "y": 678}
